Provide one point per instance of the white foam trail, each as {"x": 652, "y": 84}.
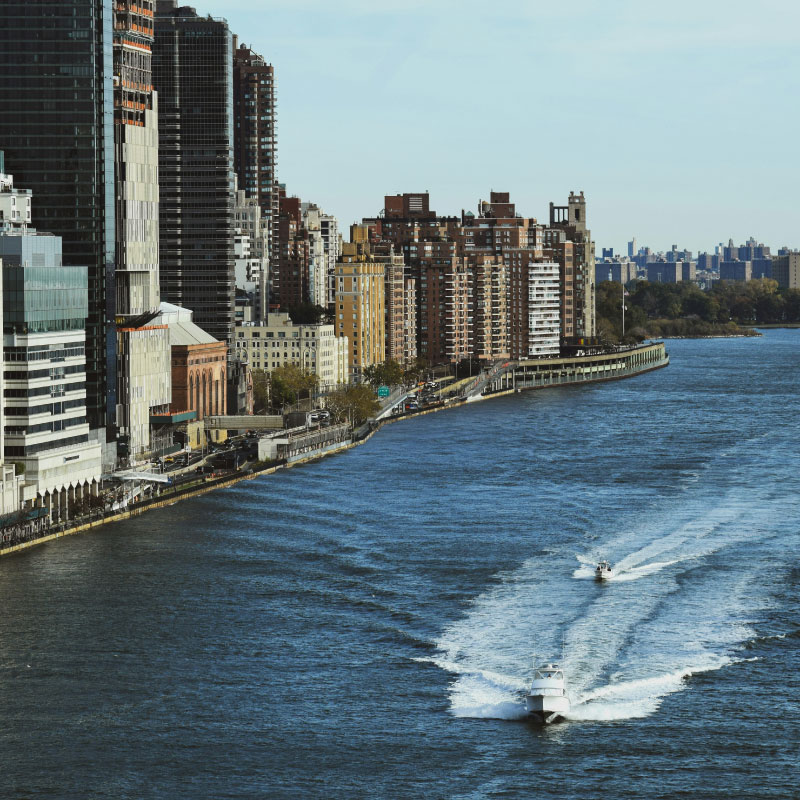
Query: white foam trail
{"x": 691, "y": 579}
{"x": 643, "y": 571}
{"x": 642, "y": 697}
{"x": 584, "y": 573}
{"x": 587, "y": 571}
{"x": 481, "y": 693}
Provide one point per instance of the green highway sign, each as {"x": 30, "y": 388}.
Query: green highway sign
{"x": 383, "y": 391}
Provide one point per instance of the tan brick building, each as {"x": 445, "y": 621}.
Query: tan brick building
{"x": 359, "y": 307}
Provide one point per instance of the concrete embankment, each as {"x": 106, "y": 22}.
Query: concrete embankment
{"x": 169, "y": 499}
{"x": 513, "y": 377}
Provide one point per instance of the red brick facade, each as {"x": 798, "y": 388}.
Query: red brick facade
{"x": 198, "y": 379}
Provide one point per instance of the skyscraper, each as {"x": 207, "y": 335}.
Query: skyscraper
{"x": 192, "y": 73}
{"x": 143, "y": 350}
{"x": 56, "y": 127}
{"x": 255, "y": 134}
{"x": 136, "y": 152}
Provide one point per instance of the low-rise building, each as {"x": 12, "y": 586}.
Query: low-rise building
{"x": 278, "y": 342}
{"x": 199, "y": 364}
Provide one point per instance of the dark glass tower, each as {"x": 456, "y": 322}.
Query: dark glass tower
{"x": 57, "y": 130}
{"x": 192, "y": 73}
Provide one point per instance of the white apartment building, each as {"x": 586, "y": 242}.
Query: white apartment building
{"x": 544, "y": 309}
{"x": 143, "y": 378}
{"x": 45, "y": 306}
{"x": 251, "y": 251}
{"x": 329, "y": 228}
{"x": 317, "y": 259}
{"x": 278, "y": 342}
{"x": 145, "y": 381}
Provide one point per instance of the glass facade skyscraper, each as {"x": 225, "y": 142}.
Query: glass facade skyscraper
{"x": 192, "y": 73}
{"x": 56, "y": 127}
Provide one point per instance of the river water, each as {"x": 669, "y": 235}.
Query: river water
{"x": 363, "y": 627}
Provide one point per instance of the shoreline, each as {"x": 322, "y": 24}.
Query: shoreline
{"x": 250, "y": 473}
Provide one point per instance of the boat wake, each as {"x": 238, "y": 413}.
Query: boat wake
{"x": 688, "y": 587}
{"x": 636, "y": 698}
{"x": 587, "y": 570}
{"x": 483, "y": 694}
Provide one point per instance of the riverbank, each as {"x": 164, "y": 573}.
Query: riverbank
{"x": 502, "y": 380}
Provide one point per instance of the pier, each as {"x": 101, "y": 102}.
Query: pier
{"x": 545, "y": 372}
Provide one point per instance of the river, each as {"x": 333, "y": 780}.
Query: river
{"x": 364, "y": 626}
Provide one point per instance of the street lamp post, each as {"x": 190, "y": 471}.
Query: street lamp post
{"x": 623, "y": 310}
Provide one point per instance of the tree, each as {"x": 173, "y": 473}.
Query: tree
{"x": 354, "y": 403}
{"x": 389, "y": 373}
{"x": 791, "y": 302}
{"x": 468, "y": 367}
{"x": 307, "y": 314}
{"x": 261, "y": 384}
{"x": 288, "y": 382}
{"x": 414, "y": 370}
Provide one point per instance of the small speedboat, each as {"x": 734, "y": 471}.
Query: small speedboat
{"x": 547, "y": 698}
{"x": 603, "y": 571}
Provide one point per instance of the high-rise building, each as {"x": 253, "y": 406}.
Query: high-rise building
{"x": 395, "y": 309}
{"x": 255, "y": 135}
{"x": 509, "y": 242}
{"x": 56, "y": 127}
{"x": 571, "y": 221}
{"x": 136, "y": 159}
{"x": 289, "y": 274}
{"x": 251, "y": 250}
{"x": 192, "y": 73}
{"x": 143, "y": 351}
{"x": 665, "y": 272}
{"x": 317, "y": 257}
{"x": 489, "y": 293}
{"x": 535, "y": 304}
{"x": 786, "y": 269}
{"x": 359, "y": 307}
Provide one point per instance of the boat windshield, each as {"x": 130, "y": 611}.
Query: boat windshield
{"x": 546, "y": 673}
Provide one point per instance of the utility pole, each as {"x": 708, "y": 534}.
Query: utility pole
{"x": 623, "y": 310}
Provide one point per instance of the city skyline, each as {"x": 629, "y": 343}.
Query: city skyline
{"x": 461, "y": 99}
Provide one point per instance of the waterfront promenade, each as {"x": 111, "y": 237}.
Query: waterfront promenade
{"x": 503, "y": 378}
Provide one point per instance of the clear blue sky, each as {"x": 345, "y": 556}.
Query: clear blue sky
{"x": 678, "y": 119}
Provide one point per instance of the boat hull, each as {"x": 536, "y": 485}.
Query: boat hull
{"x": 546, "y": 708}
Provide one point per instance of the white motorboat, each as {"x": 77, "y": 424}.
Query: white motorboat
{"x": 603, "y": 571}
{"x": 547, "y": 698}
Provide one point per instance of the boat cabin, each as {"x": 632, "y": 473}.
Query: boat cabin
{"x": 548, "y": 680}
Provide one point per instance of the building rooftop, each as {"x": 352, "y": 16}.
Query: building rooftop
{"x": 182, "y": 331}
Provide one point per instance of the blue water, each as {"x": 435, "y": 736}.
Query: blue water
{"x": 363, "y": 627}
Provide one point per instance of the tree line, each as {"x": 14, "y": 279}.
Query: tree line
{"x": 684, "y": 309}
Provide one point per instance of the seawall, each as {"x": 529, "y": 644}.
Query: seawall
{"x": 513, "y": 377}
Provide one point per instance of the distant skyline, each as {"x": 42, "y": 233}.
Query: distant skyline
{"x": 677, "y": 120}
